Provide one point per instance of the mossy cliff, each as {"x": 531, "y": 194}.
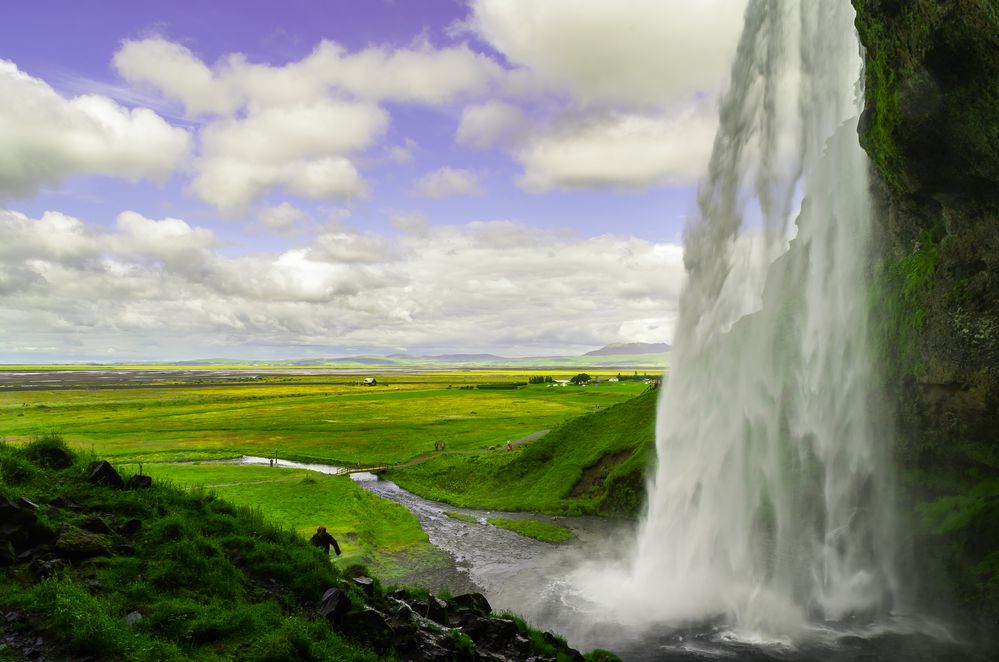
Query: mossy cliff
{"x": 931, "y": 128}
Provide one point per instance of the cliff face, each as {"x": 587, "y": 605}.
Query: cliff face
{"x": 931, "y": 128}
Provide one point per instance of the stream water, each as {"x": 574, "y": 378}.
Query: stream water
{"x": 536, "y": 580}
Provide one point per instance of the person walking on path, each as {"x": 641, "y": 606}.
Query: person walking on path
{"x": 324, "y": 540}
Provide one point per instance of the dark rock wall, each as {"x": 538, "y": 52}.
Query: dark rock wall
{"x": 931, "y": 128}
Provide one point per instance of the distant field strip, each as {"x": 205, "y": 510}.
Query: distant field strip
{"x": 341, "y": 424}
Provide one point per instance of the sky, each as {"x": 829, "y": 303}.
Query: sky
{"x": 312, "y": 178}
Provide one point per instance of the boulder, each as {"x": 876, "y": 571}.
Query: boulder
{"x": 370, "y": 626}
{"x": 139, "y": 482}
{"x": 474, "y": 602}
{"x": 102, "y": 473}
{"x": 20, "y": 529}
{"x": 427, "y": 646}
{"x": 16, "y": 511}
{"x": 95, "y": 525}
{"x": 50, "y": 565}
{"x": 367, "y": 584}
{"x": 76, "y": 544}
{"x": 437, "y": 611}
{"x": 334, "y": 605}
{"x": 491, "y": 633}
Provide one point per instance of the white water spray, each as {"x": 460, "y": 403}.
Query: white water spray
{"x": 772, "y": 502}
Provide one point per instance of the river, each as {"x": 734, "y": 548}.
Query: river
{"x": 532, "y": 579}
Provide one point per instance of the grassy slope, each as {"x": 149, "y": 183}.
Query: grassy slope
{"x": 541, "y": 476}
{"x": 336, "y": 424}
{"x": 378, "y": 533}
{"x": 211, "y": 580}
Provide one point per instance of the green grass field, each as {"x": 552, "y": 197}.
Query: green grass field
{"x": 542, "y": 531}
{"x": 305, "y": 418}
{"x": 592, "y": 464}
{"x": 373, "y": 531}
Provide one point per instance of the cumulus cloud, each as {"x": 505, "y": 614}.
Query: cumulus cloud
{"x": 448, "y": 182}
{"x": 282, "y": 218}
{"x": 302, "y": 148}
{"x": 298, "y": 127}
{"x": 492, "y": 124}
{"x": 147, "y": 286}
{"x": 602, "y": 51}
{"x": 620, "y": 150}
{"x": 418, "y": 74}
{"x": 45, "y": 138}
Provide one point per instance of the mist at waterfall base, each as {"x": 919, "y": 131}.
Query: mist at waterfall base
{"x": 770, "y": 515}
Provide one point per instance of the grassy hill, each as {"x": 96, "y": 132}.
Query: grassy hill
{"x": 595, "y": 463}
{"x": 106, "y": 571}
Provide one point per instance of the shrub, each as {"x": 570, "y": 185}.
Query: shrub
{"x": 49, "y": 451}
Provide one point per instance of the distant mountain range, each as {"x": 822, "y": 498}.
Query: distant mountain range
{"x": 625, "y": 348}
{"x": 617, "y": 355}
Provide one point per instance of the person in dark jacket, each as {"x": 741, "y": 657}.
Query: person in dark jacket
{"x": 324, "y": 540}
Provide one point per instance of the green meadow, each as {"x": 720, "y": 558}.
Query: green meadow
{"x": 370, "y": 530}
{"x": 593, "y": 464}
{"x": 319, "y": 418}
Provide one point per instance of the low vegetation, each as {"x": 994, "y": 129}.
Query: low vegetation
{"x": 150, "y": 572}
{"x": 370, "y": 530}
{"x": 542, "y": 531}
{"x": 336, "y": 422}
{"x": 201, "y": 577}
{"x": 593, "y": 464}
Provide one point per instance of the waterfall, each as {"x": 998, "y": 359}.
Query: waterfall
{"x": 771, "y": 505}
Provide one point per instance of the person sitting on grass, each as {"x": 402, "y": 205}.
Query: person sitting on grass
{"x": 324, "y": 540}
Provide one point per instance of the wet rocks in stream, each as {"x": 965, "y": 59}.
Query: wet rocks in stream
{"x": 431, "y": 628}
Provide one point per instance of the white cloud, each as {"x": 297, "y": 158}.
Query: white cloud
{"x": 448, "y": 182}
{"x": 178, "y": 74}
{"x": 491, "y": 124}
{"x": 45, "y": 138}
{"x": 620, "y": 151}
{"x": 603, "y": 51}
{"x": 419, "y": 74}
{"x": 303, "y": 149}
{"x": 147, "y": 286}
{"x": 281, "y": 218}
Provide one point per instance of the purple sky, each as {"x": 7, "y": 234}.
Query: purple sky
{"x": 301, "y": 178}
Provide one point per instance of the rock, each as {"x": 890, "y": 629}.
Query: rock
{"x": 95, "y": 525}
{"x": 102, "y": 473}
{"x": 367, "y": 584}
{"x": 491, "y": 633}
{"x": 76, "y": 544}
{"x": 133, "y": 617}
{"x": 139, "y": 482}
{"x": 427, "y": 646}
{"x": 20, "y": 530}
{"x": 437, "y": 611}
{"x": 130, "y": 527}
{"x": 370, "y": 626}
{"x": 15, "y": 512}
{"x": 334, "y": 605}
{"x": 47, "y": 566}
{"x": 474, "y": 602}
